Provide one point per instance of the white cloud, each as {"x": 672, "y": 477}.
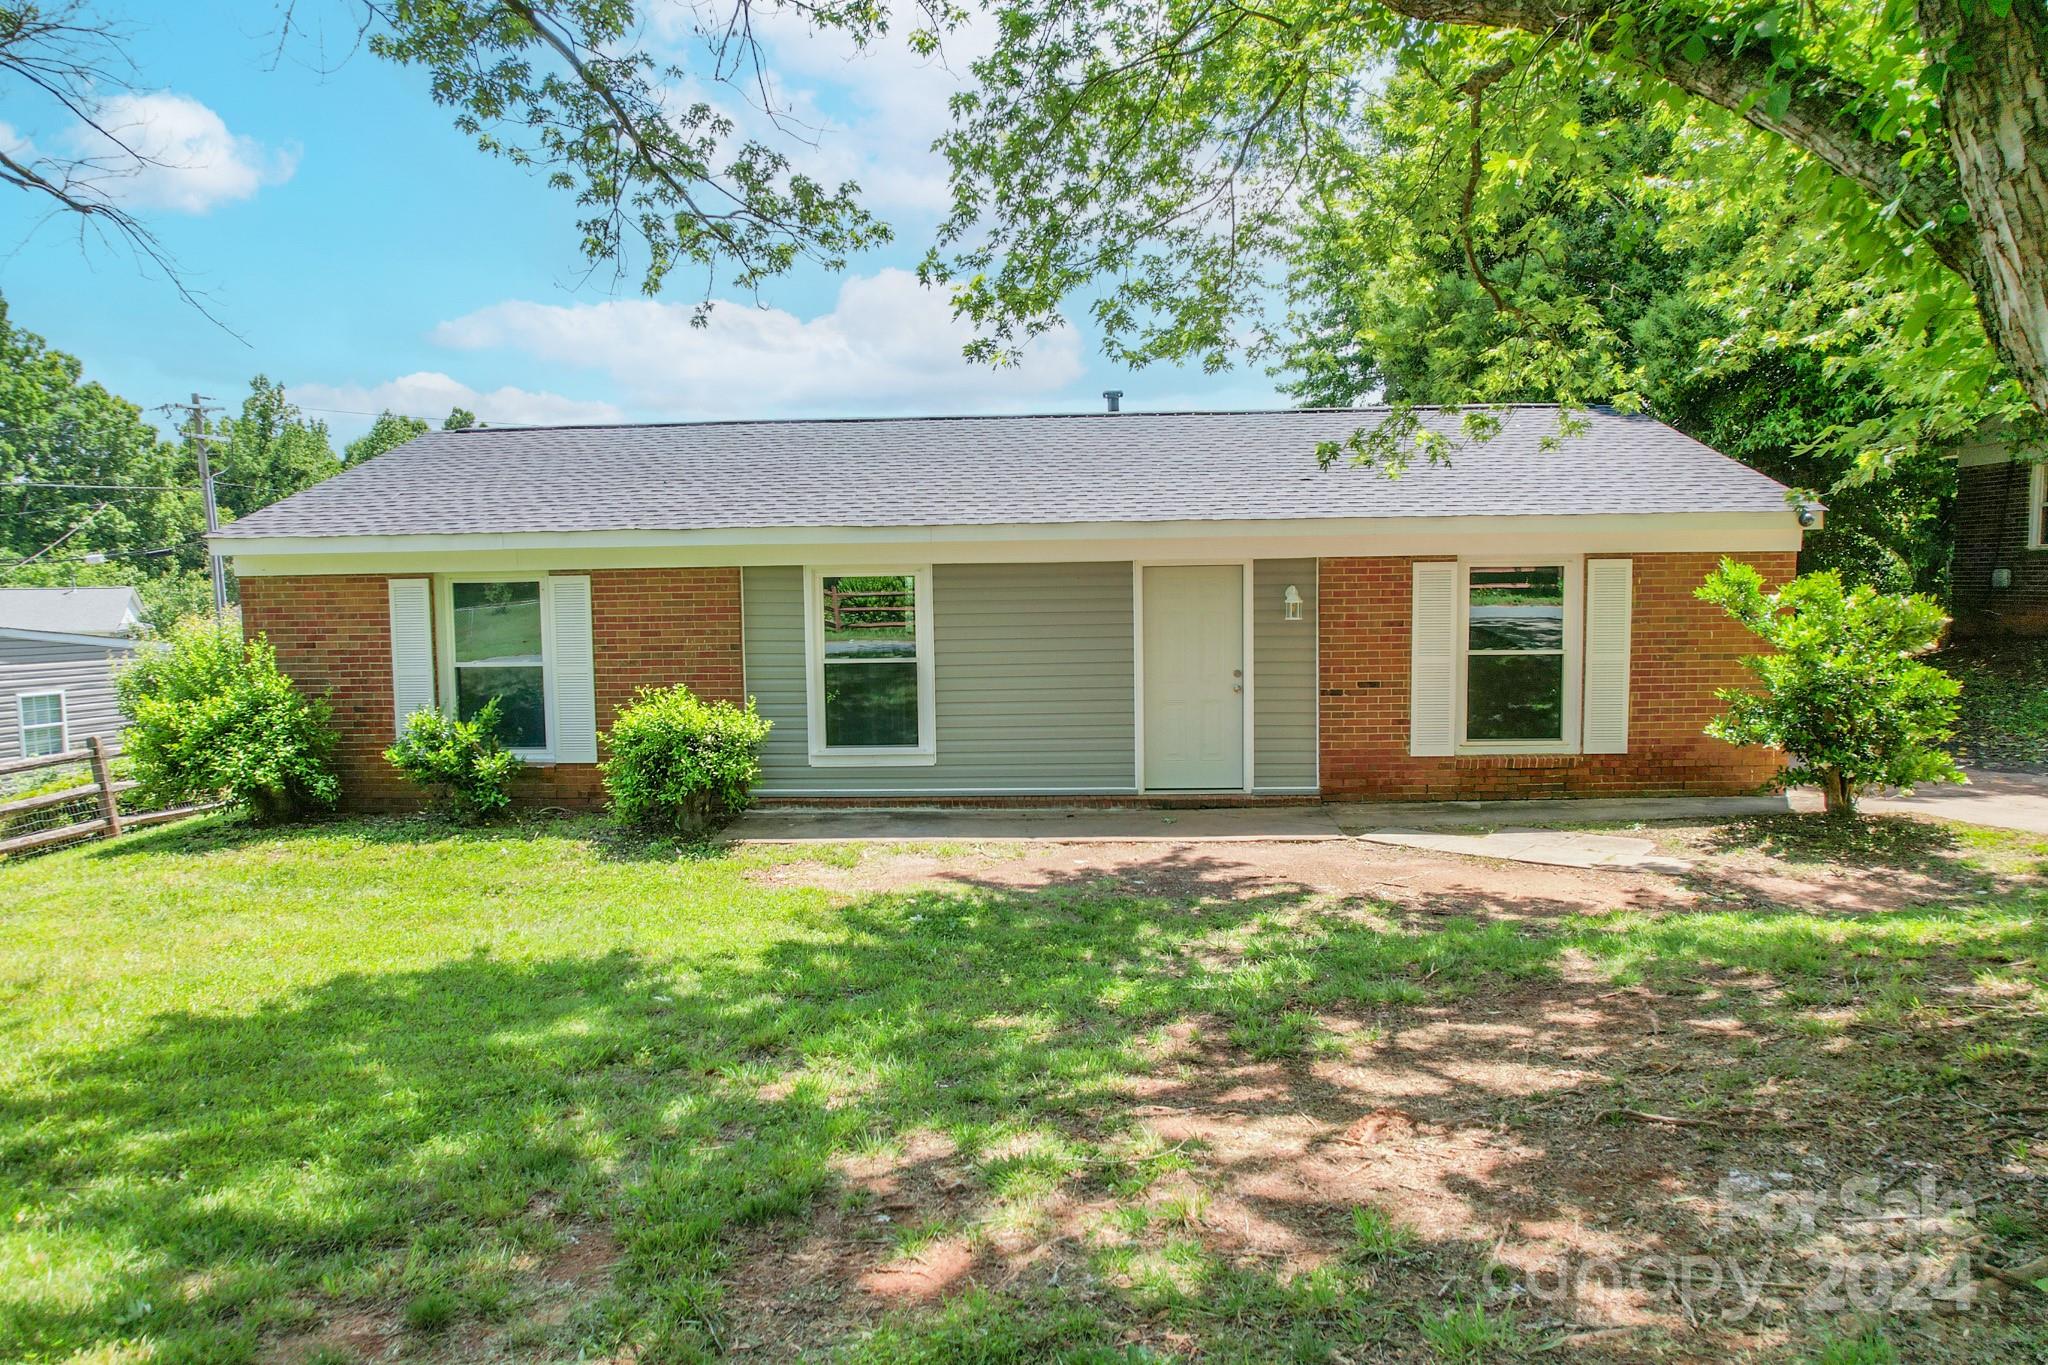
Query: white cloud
{"x": 843, "y": 112}
{"x": 169, "y": 151}
{"x": 430, "y": 395}
{"x": 888, "y": 345}
{"x": 16, "y": 143}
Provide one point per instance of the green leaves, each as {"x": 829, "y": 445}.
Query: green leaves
{"x": 676, "y": 761}
{"x": 463, "y": 764}
{"x": 1844, "y": 692}
{"x": 562, "y": 86}
{"x": 210, "y": 716}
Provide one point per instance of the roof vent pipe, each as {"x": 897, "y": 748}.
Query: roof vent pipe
{"x": 1115, "y": 398}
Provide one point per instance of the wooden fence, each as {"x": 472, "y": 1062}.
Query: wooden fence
{"x": 103, "y": 792}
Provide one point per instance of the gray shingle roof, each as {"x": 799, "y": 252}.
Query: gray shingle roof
{"x": 72, "y": 611}
{"x": 952, "y": 471}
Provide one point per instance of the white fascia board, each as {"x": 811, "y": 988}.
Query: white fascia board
{"x": 117, "y": 643}
{"x": 1707, "y": 532}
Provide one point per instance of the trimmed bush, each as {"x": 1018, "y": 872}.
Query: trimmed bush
{"x": 211, "y": 717}
{"x": 677, "y": 763}
{"x": 462, "y": 765}
{"x": 1845, "y": 693}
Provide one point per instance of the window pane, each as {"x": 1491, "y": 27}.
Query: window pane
{"x": 1517, "y": 609}
{"x": 522, "y": 708}
{"x": 870, "y": 616}
{"x": 497, "y": 622}
{"x": 1514, "y": 696}
{"x": 871, "y": 705}
{"x": 47, "y": 709}
{"x": 44, "y": 739}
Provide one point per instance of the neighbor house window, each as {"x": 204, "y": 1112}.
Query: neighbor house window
{"x": 497, "y": 648}
{"x": 2037, "y": 507}
{"x": 42, "y": 723}
{"x": 1516, "y": 674}
{"x": 869, "y": 643}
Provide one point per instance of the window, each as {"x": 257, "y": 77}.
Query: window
{"x": 2037, "y": 508}
{"x": 1516, "y": 669}
{"x": 42, "y": 723}
{"x": 498, "y": 649}
{"x": 869, "y": 640}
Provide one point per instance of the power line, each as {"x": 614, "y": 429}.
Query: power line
{"x": 107, "y": 487}
{"x": 76, "y": 527}
{"x": 101, "y": 556}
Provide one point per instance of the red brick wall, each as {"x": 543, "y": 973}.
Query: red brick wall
{"x": 1991, "y": 533}
{"x": 649, "y": 627}
{"x": 1681, "y": 650}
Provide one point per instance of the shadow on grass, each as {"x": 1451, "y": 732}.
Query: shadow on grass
{"x": 1891, "y": 842}
{"x": 221, "y": 1182}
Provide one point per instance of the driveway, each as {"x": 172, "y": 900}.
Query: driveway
{"x": 2017, "y": 801}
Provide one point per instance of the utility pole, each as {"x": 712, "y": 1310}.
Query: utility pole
{"x": 197, "y": 410}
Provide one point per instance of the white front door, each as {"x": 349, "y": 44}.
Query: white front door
{"x": 1194, "y": 677}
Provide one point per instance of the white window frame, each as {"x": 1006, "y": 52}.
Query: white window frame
{"x": 2037, "y": 493}
{"x": 22, "y": 727}
{"x": 926, "y": 751}
{"x": 1572, "y": 572}
{"x": 444, "y": 648}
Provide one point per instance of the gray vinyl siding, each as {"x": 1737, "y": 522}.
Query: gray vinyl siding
{"x": 1283, "y": 677}
{"x": 1032, "y": 682}
{"x": 80, "y": 672}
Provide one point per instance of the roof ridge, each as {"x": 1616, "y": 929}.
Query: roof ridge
{"x": 989, "y": 417}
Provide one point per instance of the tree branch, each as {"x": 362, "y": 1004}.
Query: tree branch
{"x": 1816, "y": 118}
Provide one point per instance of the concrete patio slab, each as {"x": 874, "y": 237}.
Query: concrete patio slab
{"x": 1553, "y": 847}
{"x": 1069, "y": 825}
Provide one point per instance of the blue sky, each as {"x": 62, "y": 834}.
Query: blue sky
{"x": 369, "y": 257}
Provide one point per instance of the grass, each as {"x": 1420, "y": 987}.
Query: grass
{"x": 255, "y": 1081}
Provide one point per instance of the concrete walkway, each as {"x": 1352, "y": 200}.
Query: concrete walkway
{"x": 2016, "y": 801}
{"x": 1555, "y": 847}
{"x": 1385, "y": 821}
{"x": 1080, "y": 824}
{"x": 1550, "y": 832}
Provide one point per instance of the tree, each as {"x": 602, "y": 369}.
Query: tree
{"x": 1160, "y": 153}
{"x": 1162, "y": 156}
{"x": 388, "y": 432}
{"x": 81, "y": 473}
{"x": 1607, "y": 283}
{"x": 459, "y": 419}
{"x": 271, "y": 451}
{"x": 1844, "y": 693}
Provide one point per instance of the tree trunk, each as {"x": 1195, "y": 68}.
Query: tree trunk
{"x": 1995, "y": 108}
{"x": 1838, "y": 796}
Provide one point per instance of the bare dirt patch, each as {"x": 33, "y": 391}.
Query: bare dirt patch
{"x": 1574, "y": 1134}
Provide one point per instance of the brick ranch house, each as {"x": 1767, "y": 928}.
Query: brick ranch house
{"x": 1040, "y": 607}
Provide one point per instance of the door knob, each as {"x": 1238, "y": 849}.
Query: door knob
{"x": 1237, "y": 687}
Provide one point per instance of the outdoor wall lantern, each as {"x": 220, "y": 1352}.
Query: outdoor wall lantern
{"x": 1292, "y": 597}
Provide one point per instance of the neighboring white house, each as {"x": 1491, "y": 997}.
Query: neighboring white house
{"x": 58, "y": 648}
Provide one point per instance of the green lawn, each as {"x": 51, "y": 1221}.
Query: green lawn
{"x": 278, "y": 1095}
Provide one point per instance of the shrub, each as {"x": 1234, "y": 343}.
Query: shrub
{"x": 463, "y": 766}
{"x": 677, "y": 762}
{"x": 210, "y": 716}
{"x": 1845, "y": 694}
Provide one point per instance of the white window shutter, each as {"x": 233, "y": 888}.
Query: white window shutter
{"x": 575, "y": 672}
{"x": 412, "y": 647}
{"x": 1609, "y": 605}
{"x": 1433, "y": 661}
